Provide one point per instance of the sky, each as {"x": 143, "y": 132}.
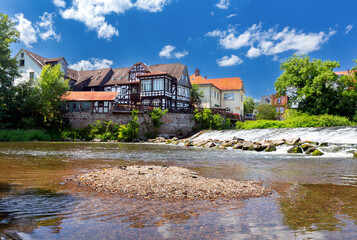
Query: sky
{"x": 222, "y": 38}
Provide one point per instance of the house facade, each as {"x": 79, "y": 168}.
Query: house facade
{"x": 224, "y": 93}
{"x": 164, "y": 85}
{"x": 279, "y": 102}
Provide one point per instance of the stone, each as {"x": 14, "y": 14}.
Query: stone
{"x": 209, "y": 145}
{"x": 271, "y": 148}
{"x": 355, "y": 155}
{"x": 292, "y": 141}
{"x": 278, "y": 142}
{"x": 310, "y": 150}
{"x": 97, "y": 140}
{"x": 259, "y": 147}
{"x": 222, "y": 147}
{"x": 174, "y": 139}
{"x": 324, "y": 144}
{"x": 189, "y": 144}
{"x": 296, "y": 149}
{"x": 247, "y": 144}
{"x": 305, "y": 146}
{"x": 238, "y": 145}
{"x": 238, "y": 139}
{"x": 317, "y": 152}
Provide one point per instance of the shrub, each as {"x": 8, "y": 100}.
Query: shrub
{"x": 130, "y": 131}
{"x": 209, "y": 121}
{"x": 267, "y": 112}
{"x": 156, "y": 114}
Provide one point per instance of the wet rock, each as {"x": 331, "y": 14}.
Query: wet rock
{"x": 292, "y": 141}
{"x": 324, "y": 144}
{"x": 174, "y": 139}
{"x": 189, "y": 144}
{"x": 271, "y": 148}
{"x": 278, "y": 142}
{"x": 355, "y": 155}
{"x": 259, "y": 148}
{"x": 222, "y": 147}
{"x": 209, "y": 145}
{"x": 305, "y": 146}
{"x": 296, "y": 149}
{"x": 310, "y": 150}
{"x": 247, "y": 144}
{"x": 251, "y": 148}
{"x": 238, "y": 139}
{"x": 317, "y": 152}
{"x": 238, "y": 145}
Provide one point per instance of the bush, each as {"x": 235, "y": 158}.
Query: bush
{"x": 209, "y": 121}
{"x": 294, "y": 119}
{"x": 267, "y": 112}
{"x": 130, "y": 131}
{"x": 21, "y": 135}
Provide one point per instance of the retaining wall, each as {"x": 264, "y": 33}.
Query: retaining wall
{"x": 175, "y": 124}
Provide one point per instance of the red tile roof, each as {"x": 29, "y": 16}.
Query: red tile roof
{"x": 234, "y": 83}
{"x": 89, "y": 96}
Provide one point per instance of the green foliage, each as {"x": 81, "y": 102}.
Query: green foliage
{"x": 8, "y": 69}
{"x": 209, "y": 121}
{"x": 294, "y": 119}
{"x": 267, "y": 112}
{"x": 249, "y": 105}
{"x": 52, "y": 87}
{"x": 21, "y": 135}
{"x": 316, "y": 88}
{"x": 156, "y": 114}
{"x": 196, "y": 95}
{"x": 130, "y": 131}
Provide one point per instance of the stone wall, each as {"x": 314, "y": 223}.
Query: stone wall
{"x": 175, "y": 124}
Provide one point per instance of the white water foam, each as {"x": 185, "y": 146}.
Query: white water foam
{"x": 338, "y": 135}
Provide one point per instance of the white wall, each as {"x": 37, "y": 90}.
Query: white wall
{"x": 236, "y": 105}
{"x": 30, "y": 66}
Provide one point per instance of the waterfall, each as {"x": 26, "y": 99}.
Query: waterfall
{"x": 337, "y": 135}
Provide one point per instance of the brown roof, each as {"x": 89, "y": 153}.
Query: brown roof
{"x": 73, "y": 74}
{"x": 55, "y": 60}
{"x": 38, "y": 59}
{"x": 152, "y": 74}
{"x": 119, "y": 77}
{"x": 224, "y": 84}
{"x": 89, "y": 96}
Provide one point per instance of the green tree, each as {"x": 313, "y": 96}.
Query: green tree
{"x": 130, "y": 131}
{"x": 196, "y": 95}
{"x": 249, "y": 105}
{"x": 52, "y": 87}
{"x": 315, "y": 86}
{"x": 266, "y": 111}
{"x": 8, "y": 67}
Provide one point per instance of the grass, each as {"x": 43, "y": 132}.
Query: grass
{"x": 296, "y": 120}
{"x": 24, "y": 135}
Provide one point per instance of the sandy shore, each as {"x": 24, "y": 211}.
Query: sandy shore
{"x": 168, "y": 182}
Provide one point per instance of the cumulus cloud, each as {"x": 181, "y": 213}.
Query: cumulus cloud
{"x": 59, "y": 3}
{"x": 47, "y": 26}
{"x": 271, "y": 41}
{"x": 92, "y": 13}
{"x": 27, "y": 31}
{"x": 92, "y": 64}
{"x": 223, "y": 4}
{"x": 229, "y": 61}
{"x": 348, "y": 28}
{"x": 168, "y": 52}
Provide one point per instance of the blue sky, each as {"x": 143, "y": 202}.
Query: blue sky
{"x": 223, "y": 38}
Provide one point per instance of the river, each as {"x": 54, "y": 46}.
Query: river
{"x": 313, "y": 197}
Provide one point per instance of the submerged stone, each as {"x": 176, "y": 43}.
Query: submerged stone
{"x": 310, "y": 150}
{"x": 324, "y": 144}
{"x": 317, "y": 152}
{"x": 297, "y": 149}
{"x": 271, "y": 148}
{"x": 355, "y": 155}
{"x": 292, "y": 141}
{"x": 305, "y": 146}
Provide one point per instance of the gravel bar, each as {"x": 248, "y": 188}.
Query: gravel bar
{"x": 167, "y": 182}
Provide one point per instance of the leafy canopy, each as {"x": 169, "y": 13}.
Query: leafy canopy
{"x": 315, "y": 87}
{"x": 196, "y": 95}
{"x": 249, "y": 105}
{"x": 266, "y": 111}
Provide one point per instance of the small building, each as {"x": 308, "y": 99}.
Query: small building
{"x": 279, "y": 102}
{"x": 224, "y": 93}
{"x": 87, "y": 101}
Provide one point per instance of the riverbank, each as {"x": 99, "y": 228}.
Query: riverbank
{"x": 167, "y": 182}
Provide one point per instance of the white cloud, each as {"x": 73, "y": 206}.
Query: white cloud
{"x": 229, "y": 61}
{"x": 348, "y": 28}
{"x": 92, "y": 64}
{"x": 152, "y": 5}
{"x": 92, "y": 13}
{"x": 231, "y": 15}
{"x": 168, "y": 52}
{"x": 27, "y": 31}
{"x": 47, "y": 24}
{"x": 59, "y": 3}
{"x": 223, "y": 4}
{"x": 271, "y": 41}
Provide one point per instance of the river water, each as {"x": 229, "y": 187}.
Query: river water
{"x": 313, "y": 197}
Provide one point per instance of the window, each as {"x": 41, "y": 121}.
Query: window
{"x": 31, "y": 75}
{"x": 278, "y": 100}
{"x": 277, "y": 110}
{"x": 157, "y": 102}
{"x": 80, "y": 106}
{"x": 74, "y": 106}
{"x": 146, "y": 85}
{"x": 22, "y": 63}
{"x": 281, "y": 109}
{"x": 228, "y": 96}
{"x": 267, "y": 100}
{"x": 146, "y": 102}
{"x": 22, "y": 54}
{"x": 158, "y": 84}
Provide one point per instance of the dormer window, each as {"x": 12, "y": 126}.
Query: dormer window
{"x": 98, "y": 77}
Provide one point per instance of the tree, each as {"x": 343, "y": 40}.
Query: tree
{"x": 315, "y": 87}
{"x": 267, "y": 112}
{"x": 52, "y": 87}
{"x": 249, "y": 105}
{"x": 196, "y": 95}
{"x": 8, "y": 66}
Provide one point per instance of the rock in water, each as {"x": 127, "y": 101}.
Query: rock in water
{"x": 271, "y": 148}
{"x": 297, "y": 149}
{"x": 317, "y": 152}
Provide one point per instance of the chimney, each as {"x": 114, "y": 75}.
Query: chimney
{"x": 348, "y": 71}
{"x": 205, "y": 77}
{"x": 197, "y": 72}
